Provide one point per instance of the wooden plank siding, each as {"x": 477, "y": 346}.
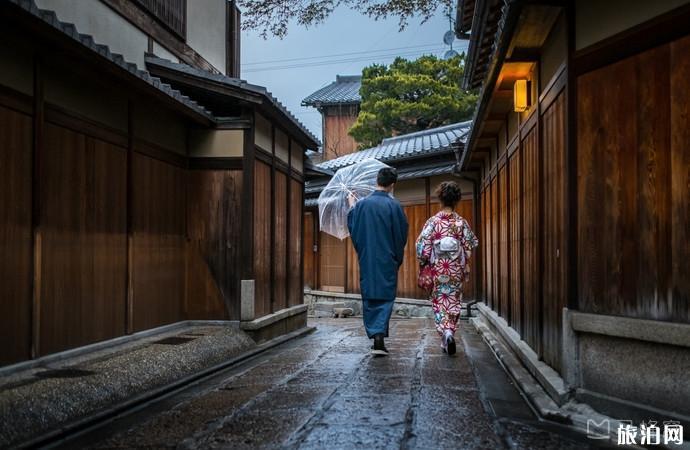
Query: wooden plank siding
{"x": 158, "y": 242}
{"x": 15, "y": 235}
{"x": 262, "y": 238}
{"x": 213, "y": 232}
{"x": 279, "y": 284}
{"x": 488, "y": 247}
{"x": 495, "y": 256}
{"x": 554, "y": 217}
{"x": 309, "y": 254}
{"x": 633, "y": 207}
{"x": 82, "y": 240}
{"x": 515, "y": 240}
{"x": 352, "y": 268}
{"x": 331, "y": 263}
{"x": 295, "y": 283}
{"x": 407, "y": 274}
{"x": 531, "y": 183}
{"x": 503, "y": 245}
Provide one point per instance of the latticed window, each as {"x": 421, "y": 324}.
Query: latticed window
{"x": 171, "y": 13}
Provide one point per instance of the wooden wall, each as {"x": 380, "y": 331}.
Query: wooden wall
{"x": 331, "y": 263}
{"x": 158, "y": 242}
{"x": 352, "y": 268}
{"x": 554, "y": 221}
{"x": 516, "y": 243}
{"x": 279, "y": 283}
{"x": 82, "y": 240}
{"x": 262, "y": 238}
{"x": 279, "y": 269}
{"x": 294, "y": 276}
{"x": 525, "y": 216}
{"x": 213, "y": 229}
{"x": 503, "y": 244}
{"x": 633, "y": 238}
{"x": 104, "y": 233}
{"x": 310, "y": 234}
{"x": 531, "y": 292}
{"x": 15, "y": 234}
{"x": 337, "y": 122}
{"x": 417, "y": 216}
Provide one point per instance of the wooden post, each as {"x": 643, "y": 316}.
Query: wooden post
{"x": 571, "y": 279}
{"x": 38, "y": 124}
{"x": 245, "y": 255}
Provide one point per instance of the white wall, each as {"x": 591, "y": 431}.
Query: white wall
{"x": 107, "y": 27}
{"x": 206, "y": 34}
{"x": 162, "y": 52}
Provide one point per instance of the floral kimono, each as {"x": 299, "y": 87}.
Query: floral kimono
{"x": 448, "y": 273}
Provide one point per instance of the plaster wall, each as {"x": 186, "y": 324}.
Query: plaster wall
{"x": 206, "y": 30}
{"x": 105, "y": 25}
{"x": 216, "y": 143}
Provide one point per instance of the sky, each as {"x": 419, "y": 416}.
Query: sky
{"x": 304, "y": 61}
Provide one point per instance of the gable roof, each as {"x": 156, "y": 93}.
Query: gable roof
{"x": 343, "y": 91}
{"x": 421, "y": 143}
{"x": 239, "y": 86}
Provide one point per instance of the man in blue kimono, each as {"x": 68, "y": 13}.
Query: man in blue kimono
{"x": 378, "y": 228}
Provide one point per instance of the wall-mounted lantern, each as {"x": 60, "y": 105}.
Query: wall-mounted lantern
{"x": 521, "y": 95}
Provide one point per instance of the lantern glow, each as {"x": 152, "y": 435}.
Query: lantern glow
{"x": 521, "y": 95}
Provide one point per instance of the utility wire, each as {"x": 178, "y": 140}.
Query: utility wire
{"x": 342, "y": 61}
{"x": 337, "y": 54}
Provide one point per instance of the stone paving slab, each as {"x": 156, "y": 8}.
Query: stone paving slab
{"x": 326, "y": 391}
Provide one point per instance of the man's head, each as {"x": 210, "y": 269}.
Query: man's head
{"x": 386, "y": 178}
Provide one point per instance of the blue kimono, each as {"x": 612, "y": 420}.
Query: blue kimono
{"x": 378, "y": 228}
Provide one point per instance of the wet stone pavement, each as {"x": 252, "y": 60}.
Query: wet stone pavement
{"x": 325, "y": 390}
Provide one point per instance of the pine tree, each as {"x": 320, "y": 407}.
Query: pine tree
{"x": 409, "y": 96}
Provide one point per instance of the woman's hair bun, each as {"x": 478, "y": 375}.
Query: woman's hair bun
{"x": 448, "y": 193}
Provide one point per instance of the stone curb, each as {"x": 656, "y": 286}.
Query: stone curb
{"x": 580, "y": 417}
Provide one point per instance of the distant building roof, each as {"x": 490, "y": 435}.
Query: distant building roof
{"x": 344, "y": 90}
{"x": 420, "y": 143}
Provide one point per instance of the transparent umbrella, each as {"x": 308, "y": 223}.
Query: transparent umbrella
{"x": 358, "y": 180}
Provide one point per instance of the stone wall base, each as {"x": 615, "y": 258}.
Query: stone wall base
{"x": 276, "y": 324}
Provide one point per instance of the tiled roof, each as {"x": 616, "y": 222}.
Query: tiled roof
{"x": 312, "y": 188}
{"x": 344, "y": 90}
{"x": 435, "y": 140}
{"x": 50, "y": 18}
{"x": 234, "y": 82}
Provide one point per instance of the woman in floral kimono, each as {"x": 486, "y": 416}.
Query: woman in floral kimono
{"x": 444, "y": 248}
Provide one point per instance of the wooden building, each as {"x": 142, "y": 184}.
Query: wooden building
{"x": 126, "y": 204}
{"x": 338, "y": 104}
{"x": 580, "y": 140}
{"x": 423, "y": 160}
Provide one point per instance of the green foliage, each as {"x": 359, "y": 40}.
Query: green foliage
{"x": 409, "y": 96}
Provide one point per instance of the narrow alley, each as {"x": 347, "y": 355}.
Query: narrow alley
{"x": 325, "y": 390}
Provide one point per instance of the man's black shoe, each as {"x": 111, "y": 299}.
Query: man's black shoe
{"x": 379, "y": 348}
